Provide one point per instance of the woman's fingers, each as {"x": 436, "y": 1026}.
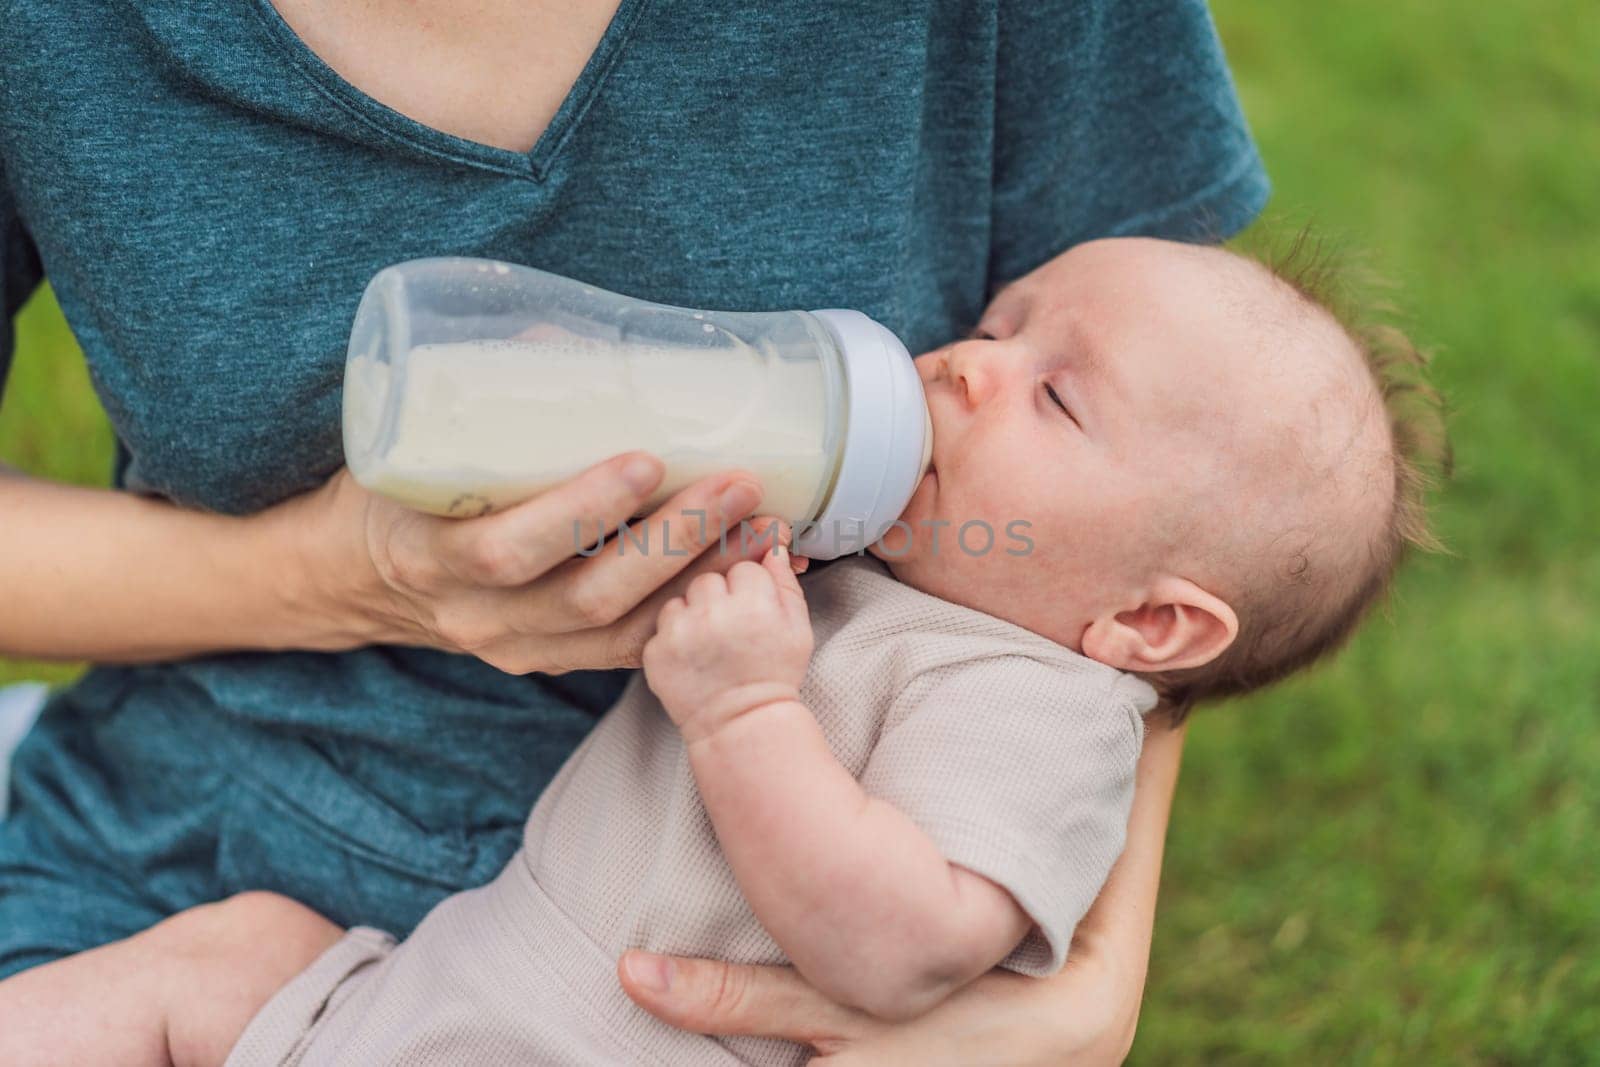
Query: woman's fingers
{"x": 598, "y": 590}
{"x": 537, "y": 587}
{"x": 515, "y": 546}
{"x": 1071, "y": 1019}
{"x": 622, "y": 643}
{"x": 715, "y": 997}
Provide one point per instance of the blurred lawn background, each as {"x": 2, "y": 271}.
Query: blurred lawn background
{"x": 1393, "y": 861}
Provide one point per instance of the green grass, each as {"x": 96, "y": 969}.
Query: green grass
{"x": 1391, "y": 861}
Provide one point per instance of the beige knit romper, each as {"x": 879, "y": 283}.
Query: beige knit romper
{"x": 1014, "y": 754}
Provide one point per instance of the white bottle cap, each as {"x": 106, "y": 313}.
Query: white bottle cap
{"x": 888, "y": 439}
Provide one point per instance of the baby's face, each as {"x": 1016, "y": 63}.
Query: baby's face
{"x": 1111, "y": 401}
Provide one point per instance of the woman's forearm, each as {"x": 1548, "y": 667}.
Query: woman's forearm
{"x": 102, "y": 575}
{"x": 112, "y": 577}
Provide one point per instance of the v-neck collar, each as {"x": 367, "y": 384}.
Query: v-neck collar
{"x": 533, "y": 164}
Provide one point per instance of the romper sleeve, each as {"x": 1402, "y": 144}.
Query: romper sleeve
{"x": 1023, "y": 774}
{"x": 1114, "y": 118}
{"x": 20, "y": 274}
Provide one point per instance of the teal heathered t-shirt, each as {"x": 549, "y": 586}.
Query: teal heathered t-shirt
{"x": 208, "y": 200}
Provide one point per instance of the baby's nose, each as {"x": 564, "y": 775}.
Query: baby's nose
{"x": 972, "y": 371}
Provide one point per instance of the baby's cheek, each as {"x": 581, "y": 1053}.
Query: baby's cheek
{"x": 1001, "y": 507}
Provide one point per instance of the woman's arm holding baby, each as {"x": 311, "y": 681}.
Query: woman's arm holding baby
{"x": 856, "y": 894}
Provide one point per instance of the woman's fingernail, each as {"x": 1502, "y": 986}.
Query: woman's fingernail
{"x": 650, "y": 971}
{"x": 641, "y": 474}
{"x": 738, "y": 500}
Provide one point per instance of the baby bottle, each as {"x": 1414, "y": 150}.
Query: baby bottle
{"x": 471, "y": 385}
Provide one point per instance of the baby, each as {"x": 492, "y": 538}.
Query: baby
{"x": 1160, "y": 474}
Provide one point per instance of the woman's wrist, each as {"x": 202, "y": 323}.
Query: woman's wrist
{"x": 330, "y": 586}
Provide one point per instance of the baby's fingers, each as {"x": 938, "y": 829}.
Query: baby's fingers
{"x": 749, "y": 579}
{"x": 670, "y": 612}
{"x": 787, "y": 582}
{"x": 706, "y": 589}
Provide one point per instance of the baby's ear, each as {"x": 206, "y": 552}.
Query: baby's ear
{"x": 1179, "y": 625}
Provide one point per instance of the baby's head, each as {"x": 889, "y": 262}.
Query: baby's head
{"x": 1216, "y": 476}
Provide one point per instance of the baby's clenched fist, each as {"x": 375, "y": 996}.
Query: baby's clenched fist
{"x": 730, "y": 644}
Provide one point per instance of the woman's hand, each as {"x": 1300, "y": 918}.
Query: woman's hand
{"x": 1083, "y": 1016}
{"x": 512, "y": 588}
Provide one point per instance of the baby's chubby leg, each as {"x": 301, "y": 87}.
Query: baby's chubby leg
{"x": 180, "y": 993}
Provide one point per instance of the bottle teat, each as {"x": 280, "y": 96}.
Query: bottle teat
{"x": 888, "y": 439}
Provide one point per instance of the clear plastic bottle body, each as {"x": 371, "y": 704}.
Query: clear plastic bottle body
{"x": 474, "y": 385}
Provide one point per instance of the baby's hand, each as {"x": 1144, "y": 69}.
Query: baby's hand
{"x": 730, "y": 644}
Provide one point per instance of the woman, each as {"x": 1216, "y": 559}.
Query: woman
{"x": 307, "y": 689}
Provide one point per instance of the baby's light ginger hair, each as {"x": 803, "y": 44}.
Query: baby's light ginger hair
{"x": 1308, "y": 596}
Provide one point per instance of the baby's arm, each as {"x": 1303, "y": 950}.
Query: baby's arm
{"x": 859, "y": 898}
{"x": 178, "y": 994}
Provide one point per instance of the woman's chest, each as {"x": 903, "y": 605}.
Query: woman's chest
{"x": 209, "y": 209}
{"x": 495, "y": 72}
